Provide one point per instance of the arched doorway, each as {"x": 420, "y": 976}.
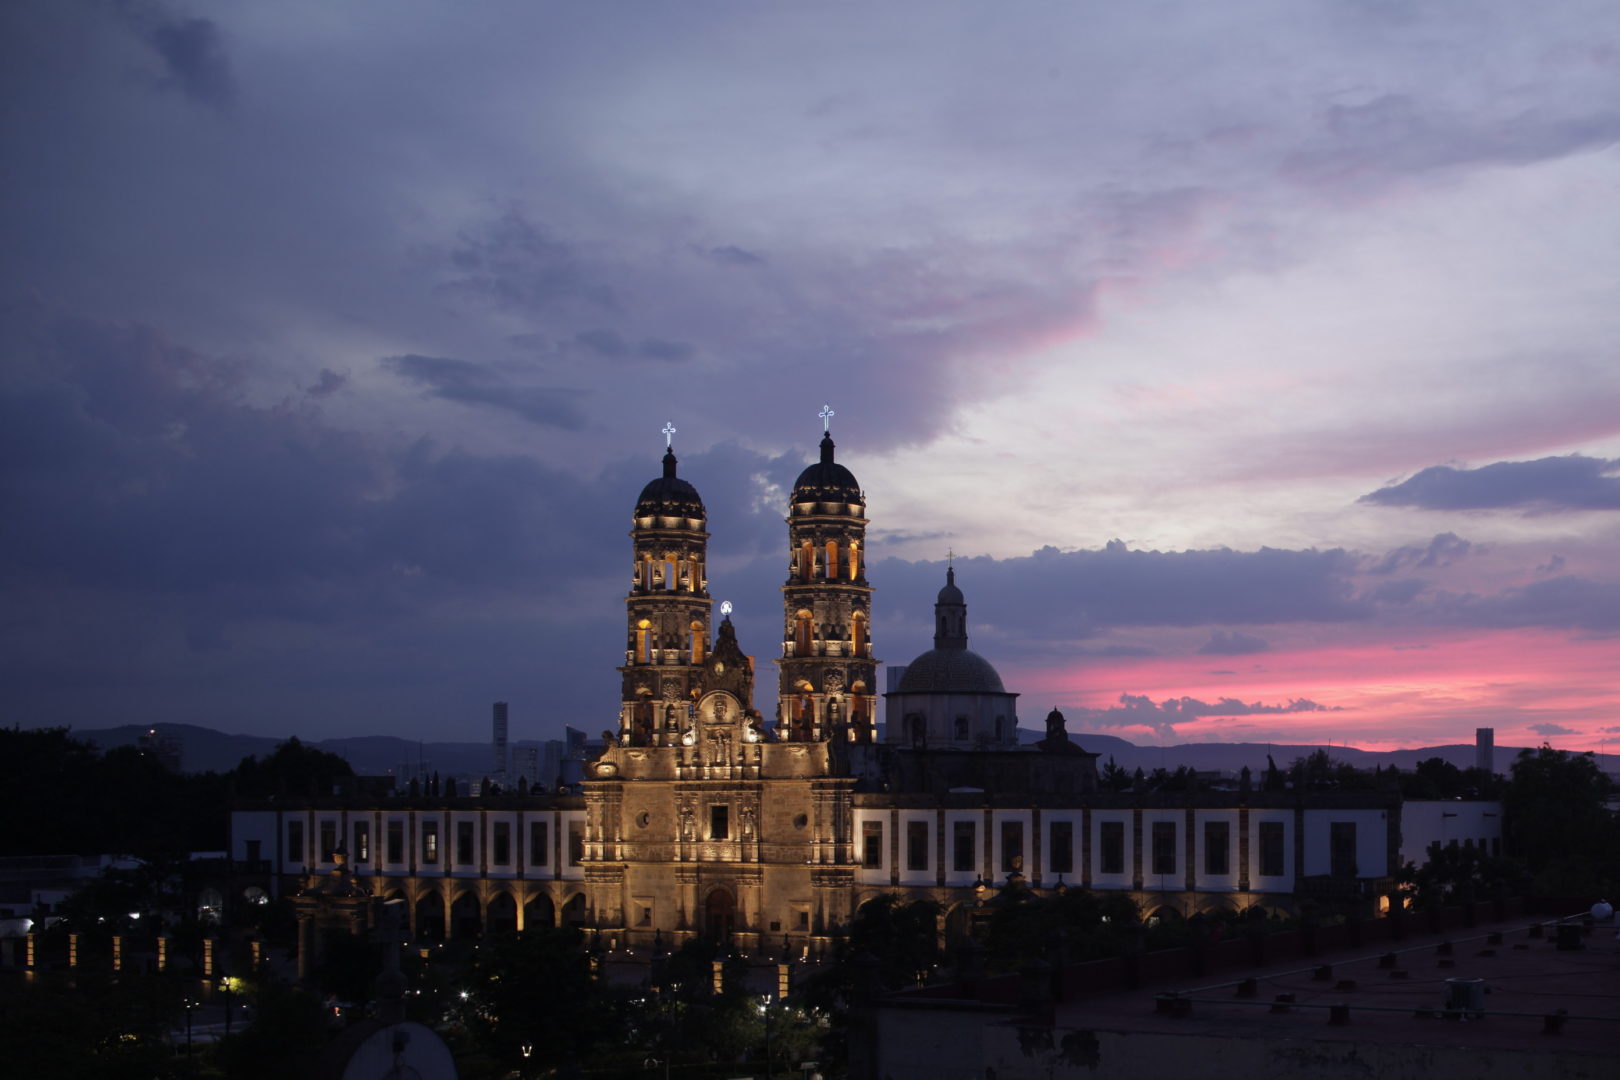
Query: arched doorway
{"x": 465, "y": 920}
{"x": 539, "y": 912}
{"x": 719, "y": 915}
{"x": 430, "y": 917}
{"x": 502, "y": 913}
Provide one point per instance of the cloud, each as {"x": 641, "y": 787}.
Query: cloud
{"x": 1552, "y": 729}
{"x": 1554, "y": 565}
{"x": 192, "y": 50}
{"x": 609, "y": 344}
{"x": 476, "y": 384}
{"x": 1443, "y": 550}
{"x": 330, "y": 382}
{"x": 515, "y": 265}
{"x": 1140, "y": 710}
{"x": 1232, "y": 643}
{"x": 1565, "y": 602}
{"x": 1546, "y": 485}
{"x": 732, "y": 256}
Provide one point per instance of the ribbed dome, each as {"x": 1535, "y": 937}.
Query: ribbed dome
{"x": 826, "y": 480}
{"x": 669, "y": 495}
{"x": 951, "y": 671}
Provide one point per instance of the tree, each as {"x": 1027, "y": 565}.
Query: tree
{"x": 1114, "y": 777}
{"x": 535, "y": 988}
{"x": 1556, "y": 821}
{"x": 292, "y": 769}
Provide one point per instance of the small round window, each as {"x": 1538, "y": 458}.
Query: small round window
{"x": 643, "y": 818}
{"x": 800, "y": 821}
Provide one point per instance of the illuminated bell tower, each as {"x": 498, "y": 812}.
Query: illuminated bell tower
{"x": 828, "y": 685}
{"x": 667, "y": 610}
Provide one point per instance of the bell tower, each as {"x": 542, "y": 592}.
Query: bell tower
{"x": 667, "y": 609}
{"x": 828, "y": 677}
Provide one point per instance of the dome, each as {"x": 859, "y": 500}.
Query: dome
{"x": 950, "y": 594}
{"x": 826, "y": 480}
{"x": 669, "y": 495}
{"x": 951, "y": 671}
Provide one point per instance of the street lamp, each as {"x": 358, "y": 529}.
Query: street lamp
{"x": 765, "y": 1011}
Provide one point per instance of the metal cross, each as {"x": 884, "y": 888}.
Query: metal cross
{"x": 669, "y": 434}
{"x": 826, "y": 415}
{"x": 950, "y": 557}
{"x": 725, "y": 607}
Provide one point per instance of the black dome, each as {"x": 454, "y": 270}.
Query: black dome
{"x": 951, "y": 671}
{"x": 826, "y": 480}
{"x": 669, "y": 495}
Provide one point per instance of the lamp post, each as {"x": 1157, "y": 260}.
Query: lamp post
{"x": 765, "y": 1011}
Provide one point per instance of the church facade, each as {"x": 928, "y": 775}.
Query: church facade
{"x": 704, "y": 816}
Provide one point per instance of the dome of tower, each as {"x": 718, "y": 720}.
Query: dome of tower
{"x": 950, "y": 594}
{"x": 669, "y": 495}
{"x": 826, "y": 480}
{"x": 951, "y": 671}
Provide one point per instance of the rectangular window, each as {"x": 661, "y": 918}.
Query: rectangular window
{"x": 1217, "y": 848}
{"x": 362, "y": 841}
{"x": 1012, "y": 847}
{"x": 295, "y": 841}
{"x": 872, "y": 844}
{"x": 464, "y": 843}
{"x": 720, "y": 822}
{"x": 396, "y": 842}
{"x": 1271, "y": 849}
{"x": 576, "y": 843}
{"x": 964, "y": 839}
{"x": 916, "y": 845}
{"x": 502, "y": 844}
{"x": 1111, "y": 839}
{"x": 539, "y": 844}
{"x": 1342, "y": 848}
{"x": 1060, "y": 848}
{"x": 1164, "y": 847}
{"x": 961, "y": 729}
{"x": 430, "y": 841}
{"x": 329, "y": 840}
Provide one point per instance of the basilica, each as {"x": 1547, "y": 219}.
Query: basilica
{"x": 713, "y": 811}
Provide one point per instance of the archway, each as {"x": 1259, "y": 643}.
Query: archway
{"x": 430, "y": 916}
{"x": 465, "y": 920}
{"x": 538, "y": 912}
{"x": 719, "y": 914}
{"x": 573, "y": 912}
{"x": 502, "y": 913}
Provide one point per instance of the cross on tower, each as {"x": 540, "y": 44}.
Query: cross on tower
{"x": 826, "y": 415}
{"x": 669, "y": 434}
{"x": 950, "y": 558}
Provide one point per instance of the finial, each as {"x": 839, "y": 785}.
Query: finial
{"x": 950, "y": 558}
{"x": 669, "y": 434}
{"x": 826, "y": 415}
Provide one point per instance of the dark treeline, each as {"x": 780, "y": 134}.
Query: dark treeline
{"x": 67, "y": 797}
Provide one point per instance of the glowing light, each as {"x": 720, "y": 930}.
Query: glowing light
{"x": 669, "y": 434}
{"x": 725, "y": 607}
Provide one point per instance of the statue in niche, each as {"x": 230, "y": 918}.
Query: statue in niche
{"x": 720, "y": 747}
{"x": 669, "y": 717}
{"x": 748, "y": 821}
{"x": 688, "y": 823}
{"x": 720, "y": 710}
{"x": 835, "y": 710}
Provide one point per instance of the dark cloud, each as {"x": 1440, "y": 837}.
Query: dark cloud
{"x": 1547, "y": 485}
{"x": 1552, "y": 729}
{"x": 1232, "y": 643}
{"x": 1397, "y": 592}
{"x": 477, "y": 384}
{"x": 1554, "y": 565}
{"x": 513, "y": 264}
{"x": 330, "y": 382}
{"x": 193, "y": 52}
{"x": 732, "y": 256}
{"x": 1163, "y": 716}
{"x": 1566, "y": 603}
{"x": 609, "y": 344}
{"x": 1443, "y": 550}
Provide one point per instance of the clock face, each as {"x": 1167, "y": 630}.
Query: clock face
{"x": 719, "y": 667}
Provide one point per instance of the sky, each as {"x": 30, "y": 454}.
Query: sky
{"x": 1256, "y": 362}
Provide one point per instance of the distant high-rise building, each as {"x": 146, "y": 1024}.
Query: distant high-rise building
{"x": 499, "y": 767}
{"x": 1485, "y": 749}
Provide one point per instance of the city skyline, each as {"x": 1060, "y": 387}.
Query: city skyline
{"x": 1257, "y": 365}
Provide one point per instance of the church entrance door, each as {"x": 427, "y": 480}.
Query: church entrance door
{"x": 719, "y": 915}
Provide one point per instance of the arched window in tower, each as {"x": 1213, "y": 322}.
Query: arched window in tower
{"x": 854, "y": 560}
{"x": 643, "y": 642}
{"x": 697, "y": 642}
{"x": 807, "y": 562}
{"x": 667, "y": 568}
{"x": 646, "y": 572}
{"x": 802, "y": 634}
{"x": 832, "y": 560}
{"x": 857, "y": 634}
